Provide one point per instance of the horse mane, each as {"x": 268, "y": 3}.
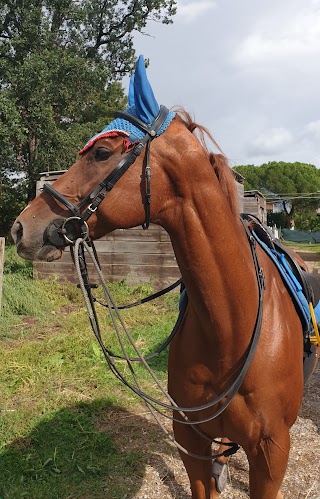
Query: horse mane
{"x": 218, "y": 161}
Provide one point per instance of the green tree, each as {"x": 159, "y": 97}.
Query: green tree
{"x": 296, "y": 185}
{"x": 12, "y": 201}
{"x": 61, "y": 62}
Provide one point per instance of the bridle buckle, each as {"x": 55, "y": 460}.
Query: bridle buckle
{"x": 92, "y": 210}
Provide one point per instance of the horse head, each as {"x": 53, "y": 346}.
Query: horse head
{"x": 109, "y": 186}
{"x": 41, "y": 231}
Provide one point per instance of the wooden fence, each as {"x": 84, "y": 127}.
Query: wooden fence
{"x": 136, "y": 255}
{"x": 133, "y": 254}
{"x": 312, "y": 260}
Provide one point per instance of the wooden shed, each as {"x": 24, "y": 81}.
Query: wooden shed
{"x": 255, "y": 203}
{"x": 135, "y": 255}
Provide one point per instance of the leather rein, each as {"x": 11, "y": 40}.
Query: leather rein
{"x": 61, "y": 233}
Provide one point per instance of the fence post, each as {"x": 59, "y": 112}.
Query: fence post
{"x": 2, "y": 243}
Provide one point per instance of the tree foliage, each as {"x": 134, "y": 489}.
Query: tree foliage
{"x": 296, "y": 185}
{"x": 61, "y": 62}
{"x": 12, "y": 201}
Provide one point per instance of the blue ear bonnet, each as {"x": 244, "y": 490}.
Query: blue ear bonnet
{"x": 134, "y": 133}
{"x": 143, "y": 105}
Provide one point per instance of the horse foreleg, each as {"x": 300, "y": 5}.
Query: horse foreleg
{"x": 199, "y": 471}
{"x": 268, "y": 463}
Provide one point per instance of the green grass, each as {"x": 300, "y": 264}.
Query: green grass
{"x": 65, "y": 455}
{"x": 314, "y": 247}
{"x": 68, "y": 428}
{"x": 64, "y": 427}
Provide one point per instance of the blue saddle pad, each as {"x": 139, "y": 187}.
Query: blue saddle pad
{"x": 292, "y": 284}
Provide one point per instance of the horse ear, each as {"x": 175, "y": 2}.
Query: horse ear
{"x": 145, "y": 103}
{"x": 131, "y": 92}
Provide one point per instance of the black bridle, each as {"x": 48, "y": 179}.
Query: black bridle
{"x": 62, "y": 228}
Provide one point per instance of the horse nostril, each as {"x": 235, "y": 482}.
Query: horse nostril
{"x": 17, "y": 232}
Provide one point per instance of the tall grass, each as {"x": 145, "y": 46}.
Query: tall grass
{"x": 23, "y": 297}
{"x": 65, "y": 421}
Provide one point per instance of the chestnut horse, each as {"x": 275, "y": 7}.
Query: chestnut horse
{"x": 194, "y": 197}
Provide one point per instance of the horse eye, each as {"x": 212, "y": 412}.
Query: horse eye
{"x": 101, "y": 154}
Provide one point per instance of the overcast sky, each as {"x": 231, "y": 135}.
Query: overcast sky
{"x": 248, "y": 70}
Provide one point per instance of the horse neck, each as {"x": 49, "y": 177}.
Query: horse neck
{"x": 214, "y": 258}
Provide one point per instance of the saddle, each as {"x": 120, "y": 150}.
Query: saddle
{"x": 310, "y": 285}
{"x": 302, "y": 286}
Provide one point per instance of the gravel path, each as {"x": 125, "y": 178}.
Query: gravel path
{"x": 165, "y": 477}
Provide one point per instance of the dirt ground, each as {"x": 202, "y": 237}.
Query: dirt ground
{"x": 165, "y": 477}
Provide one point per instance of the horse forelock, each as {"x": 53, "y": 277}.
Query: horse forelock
{"x": 218, "y": 160}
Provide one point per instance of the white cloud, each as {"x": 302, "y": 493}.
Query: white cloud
{"x": 189, "y": 12}
{"x": 276, "y": 38}
{"x": 272, "y": 83}
{"x": 272, "y": 141}
{"x": 312, "y": 130}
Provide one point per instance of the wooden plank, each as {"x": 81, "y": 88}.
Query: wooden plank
{"x": 133, "y": 247}
{"x": 137, "y": 270}
{"x": 155, "y": 232}
{"x": 2, "y": 244}
{"x": 138, "y": 259}
{"x": 116, "y": 258}
{"x": 136, "y": 236}
{"x": 152, "y": 227}
{"x": 151, "y": 238}
{"x": 309, "y": 256}
{"x": 164, "y": 236}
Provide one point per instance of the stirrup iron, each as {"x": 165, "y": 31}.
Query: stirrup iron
{"x": 220, "y": 474}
